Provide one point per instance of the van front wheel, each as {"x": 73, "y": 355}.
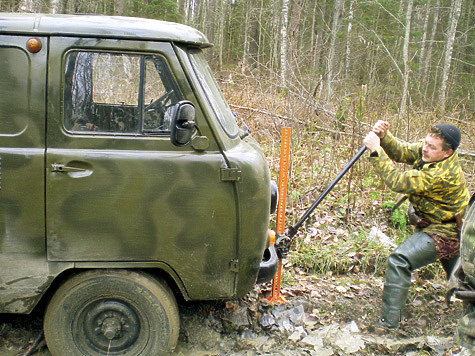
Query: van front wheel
{"x": 111, "y": 312}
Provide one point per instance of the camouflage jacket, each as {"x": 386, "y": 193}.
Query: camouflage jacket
{"x": 437, "y": 190}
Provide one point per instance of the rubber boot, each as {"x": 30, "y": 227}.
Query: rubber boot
{"x": 417, "y": 251}
{"x": 449, "y": 265}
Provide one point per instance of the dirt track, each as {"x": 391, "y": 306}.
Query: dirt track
{"x": 251, "y": 326}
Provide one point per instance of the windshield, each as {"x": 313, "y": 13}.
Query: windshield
{"x": 213, "y": 93}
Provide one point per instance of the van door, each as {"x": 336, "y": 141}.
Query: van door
{"x": 117, "y": 189}
{"x": 23, "y": 266}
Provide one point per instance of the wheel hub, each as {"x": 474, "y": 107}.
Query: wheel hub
{"x": 111, "y": 328}
{"x": 111, "y": 325}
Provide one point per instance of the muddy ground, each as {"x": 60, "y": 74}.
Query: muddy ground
{"x": 323, "y": 315}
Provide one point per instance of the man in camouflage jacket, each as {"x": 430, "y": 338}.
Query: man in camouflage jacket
{"x": 436, "y": 189}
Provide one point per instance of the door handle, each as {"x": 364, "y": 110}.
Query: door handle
{"x": 60, "y": 168}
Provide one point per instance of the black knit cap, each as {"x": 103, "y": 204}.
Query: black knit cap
{"x": 451, "y": 134}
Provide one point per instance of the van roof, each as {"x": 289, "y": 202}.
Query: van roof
{"x": 100, "y": 26}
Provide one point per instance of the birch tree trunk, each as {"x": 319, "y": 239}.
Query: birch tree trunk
{"x": 245, "y": 54}
{"x": 425, "y": 72}
{"x": 118, "y": 8}
{"x": 317, "y": 54}
{"x": 205, "y": 19}
{"x": 401, "y": 8}
{"x": 261, "y": 50}
{"x": 53, "y": 7}
{"x": 405, "y": 58}
{"x": 219, "y": 30}
{"x": 348, "y": 43}
{"x": 253, "y": 37}
{"x": 194, "y": 19}
{"x": 331, "y": 65}
{"x": 27, "y": 6}
{"x": 424, "y": 38}
{"x": 209, "y": 21}
{"x": 189, "y": 11}
{"x": 275, "y": 36}
{"x": 293, "y": 34}
{"x": 312, "y": 33}
{"x": 449, "y": 45}
{"x": 283, "y": 44}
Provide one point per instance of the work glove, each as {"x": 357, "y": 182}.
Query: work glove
{"x": 415, "y": 219}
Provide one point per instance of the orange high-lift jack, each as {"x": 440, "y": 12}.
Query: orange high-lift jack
{"x": 276, "y": 298}
{"x": 283, "y": 241}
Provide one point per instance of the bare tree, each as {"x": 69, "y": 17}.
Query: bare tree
{"x": 27, "y": 6}
{"x": 405, "y": 58}
{"x": 119, "y": 7}
{"x": 320, "y": 6}
{"x": 332, "y": 59}
{"x": 428, "y": 57}
{"x": 449, "y": 45}
{"x": 188, "y": 9}
{"x": 424, "y": 37}
{"x": 251, "y": 48}
{"x": 300, "y": 43}
{"x": 219, "y": 30}
{"x": 209, "y": 21}
{"x": 294, "y": 34}
{"x": 283, "y": 44}
{"x": 351, "y": 12}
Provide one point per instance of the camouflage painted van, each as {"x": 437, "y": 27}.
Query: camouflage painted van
{"x": 125, "y": 181}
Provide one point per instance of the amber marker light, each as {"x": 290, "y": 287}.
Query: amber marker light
{"x": 33, "y": 45}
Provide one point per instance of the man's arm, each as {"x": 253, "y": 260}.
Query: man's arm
{"x": 408, "y": 182}
{"x": 397, "y": 150}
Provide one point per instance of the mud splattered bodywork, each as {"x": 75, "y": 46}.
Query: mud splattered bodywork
{"x": 89, "y": 177}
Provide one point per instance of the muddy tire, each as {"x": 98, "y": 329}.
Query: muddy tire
{"x": 112, "y": 312}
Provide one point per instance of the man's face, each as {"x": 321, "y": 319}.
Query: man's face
{"x": 432, "y": 149}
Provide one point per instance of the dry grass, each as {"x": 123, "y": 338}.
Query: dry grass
{"x": 322, "y": 144}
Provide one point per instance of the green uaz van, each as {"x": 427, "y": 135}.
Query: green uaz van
{"x": 124, "y": 182}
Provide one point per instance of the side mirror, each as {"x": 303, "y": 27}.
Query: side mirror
{"x": 182, "y": 123}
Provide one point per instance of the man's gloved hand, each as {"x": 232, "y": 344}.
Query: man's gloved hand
{"x": 415, "y": 219}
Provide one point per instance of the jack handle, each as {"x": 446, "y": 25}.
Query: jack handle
{"x": 292, "y": 231}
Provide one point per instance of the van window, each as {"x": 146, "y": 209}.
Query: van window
{"x": 117, "y": 93}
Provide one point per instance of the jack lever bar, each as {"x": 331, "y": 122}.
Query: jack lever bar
{"x": 293, "y": 229}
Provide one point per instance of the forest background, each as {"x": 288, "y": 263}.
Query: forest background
{"x": 329, "y": 69}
